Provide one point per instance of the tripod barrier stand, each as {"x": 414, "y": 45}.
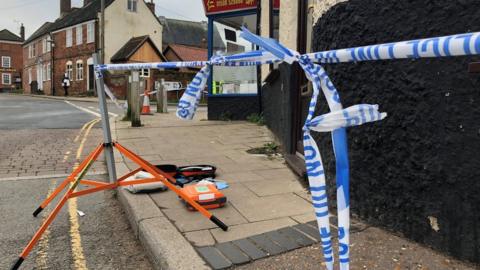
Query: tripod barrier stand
{"x": 75, "y": 179}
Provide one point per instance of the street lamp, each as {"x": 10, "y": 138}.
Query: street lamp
{"x": 52, "y": 61}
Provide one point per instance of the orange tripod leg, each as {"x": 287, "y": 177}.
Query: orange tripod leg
{"x": 70, "y": 178}
{"x": 57, "y": 208}
{"x": 42, "y": 229}
{"x": 162, "y": 177}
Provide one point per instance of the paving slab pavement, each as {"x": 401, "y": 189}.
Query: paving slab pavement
{"x": 264, "y": 195}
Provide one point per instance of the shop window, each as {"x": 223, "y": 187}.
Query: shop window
{"x": 6, "y": 62}
{"x": 227, "y": 41}
{"x": 6, "y": 79}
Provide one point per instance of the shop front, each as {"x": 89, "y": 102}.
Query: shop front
{"x": 233, "y": 92}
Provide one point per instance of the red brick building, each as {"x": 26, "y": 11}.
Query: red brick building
{"x": 65, "y": 46}
{"x": 11, "y": 59}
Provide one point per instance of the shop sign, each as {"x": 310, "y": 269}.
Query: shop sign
{"x": 225, "y": 6}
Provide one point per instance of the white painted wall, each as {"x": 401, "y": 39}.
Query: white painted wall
{"x": 121, "y": 25}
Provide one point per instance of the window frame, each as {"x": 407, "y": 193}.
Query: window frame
{"x": 79, "y": 70}
{"x": 145, "y": 73}
{"x": 9, "y": 78}
{"x": 69, "y": 70}
{"x": 69, "y": 38}
{"x": 79, "y": 34}
{"x": 91, "y": 32}
{"x": 9, "y": 61}
{"x": 48, "y": 72}
{"x": 132, "y": 5}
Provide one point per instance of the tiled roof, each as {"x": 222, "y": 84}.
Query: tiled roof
{"x": 9, "y": 36}
{"x": 76, "y": 16}
{"x": 187, "y": 33}
{"x": 131, "y": 47}
{"x": 187, "y": 53}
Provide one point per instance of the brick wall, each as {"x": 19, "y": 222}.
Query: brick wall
{"x": 32, "y": 64}
{"x": 73, "y": 54}
{"x": 14, "y": 50}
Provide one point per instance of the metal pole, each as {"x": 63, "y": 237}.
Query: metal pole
{"x": 135, "y": 99}
{"x": 107, "y": 136}
{"x": 102, "y": 32}
{"x": 162, "y": 98}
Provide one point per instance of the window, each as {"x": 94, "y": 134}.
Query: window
{"x": 44, "y": 45}
{"x": 79, "y": 70}
{"x": 69, "y": 70}
{"x": 6, "y": 78}
{"x": 79, "y": 33}
{"x": 91, "y": 32}
{"x": 145, "y": 73}
{"x": 29, "y": 75}
{"x": 49, "y": 72}
{"x": 239, "y": 80}
{"x": 6, "y": 62}
{"x": 132, "y": 5}
{"x": 68, "y": 42}
{"x": 31, "y": 51}
{"x": 49, "y": 44}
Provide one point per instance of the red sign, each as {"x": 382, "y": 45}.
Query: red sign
{"x": 224, "y": 6}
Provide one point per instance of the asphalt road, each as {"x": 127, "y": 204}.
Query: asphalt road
{"x": 20, "y": 112}
{"x": 42, "y": 137}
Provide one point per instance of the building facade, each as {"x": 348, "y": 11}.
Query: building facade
{"x": 65, "y": 47}
{"x": 11, "y": 60}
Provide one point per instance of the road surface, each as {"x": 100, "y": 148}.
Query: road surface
{"x": 41, "y": 141}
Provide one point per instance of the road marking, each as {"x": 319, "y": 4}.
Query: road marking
{"x": 90, "y": 109}
{"x": 42, "y": 253}
{"x": 83, "y": 128}
{"x": 75, "y": 238}
{"x": 82, "y": 108}
{"x": 110, "y": 113}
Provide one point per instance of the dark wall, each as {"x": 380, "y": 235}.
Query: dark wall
{"x": 276, "y": 104}
{"x": 423, "y": 160}
{"x": 232, "y": 107}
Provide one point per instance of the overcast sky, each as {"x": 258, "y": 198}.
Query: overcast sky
{"x": 33, "y": 13}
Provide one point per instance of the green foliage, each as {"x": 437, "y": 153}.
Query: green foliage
{"x": 256, "y": 119}
{"x": 226, "y": 116}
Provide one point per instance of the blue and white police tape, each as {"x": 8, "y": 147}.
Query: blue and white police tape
{"x": 188, "y": 103}
{"x": 315, "y": 172}
{"x": 352, "y": 116}
{"x": 454, "y": 45}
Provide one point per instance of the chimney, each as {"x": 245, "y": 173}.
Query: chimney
{"x": 151, "y": 6}
{"x": 86, "y": 2}
{"x": 22, "y": 32}
{"x": 65, "y": 7}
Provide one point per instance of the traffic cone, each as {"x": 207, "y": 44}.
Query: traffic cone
{"x": 146, "y": 105}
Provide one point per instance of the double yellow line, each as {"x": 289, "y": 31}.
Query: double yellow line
{"x": 75, "y": 238}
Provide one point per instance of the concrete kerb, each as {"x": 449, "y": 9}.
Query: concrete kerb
{"x": 164, "y": 244}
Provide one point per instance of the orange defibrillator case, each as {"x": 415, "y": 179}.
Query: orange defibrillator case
{"x": 207, "y": 196}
